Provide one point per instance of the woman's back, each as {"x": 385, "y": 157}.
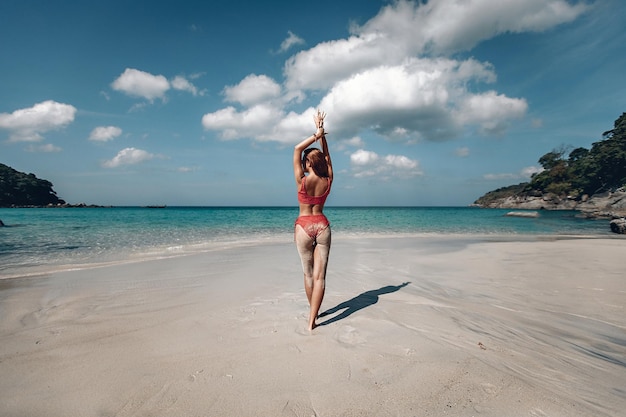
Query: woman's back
{"x": 312, "y": 194}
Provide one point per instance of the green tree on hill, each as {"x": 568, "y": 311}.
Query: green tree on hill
{"x": 20, "y": 189}
{"x": 579, "y": 172}
{"x": 602, "y": 168}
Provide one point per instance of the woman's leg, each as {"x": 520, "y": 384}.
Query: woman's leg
{"x": 320, "y": 263}
{"x": 304, "y": 244}
{"x": 314, "y": 258}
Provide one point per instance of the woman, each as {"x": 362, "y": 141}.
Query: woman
{"x": 314, "y": 177}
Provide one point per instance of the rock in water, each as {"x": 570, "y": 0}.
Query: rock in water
{"x": 618, "y": 226}
{"x": 522, "y": 214}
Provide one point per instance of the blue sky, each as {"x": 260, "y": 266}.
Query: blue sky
{"x": 200, "y": 103}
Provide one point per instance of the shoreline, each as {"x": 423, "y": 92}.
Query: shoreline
{"x": 478, "y": 329}
{"x": 170, "y": 251}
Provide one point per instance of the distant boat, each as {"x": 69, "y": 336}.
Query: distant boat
{"x": 156, "y": 206}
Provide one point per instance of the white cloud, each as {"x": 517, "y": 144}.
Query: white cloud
{"x": 28, "y": 125}
{"x": 400, "y": 161}
{"x": 447, "y": 26}
{"x": 196, "y": 75}
{"x": 502, "y": 176}
{"x": 524, "y": 174}
{"x": 136, "y": 83}
{"x": 363, "y": 157}
{"x": 395, "y": 74}
{"x": 105, "y": 133}
{"x": 491, "y": 111}
{"x": 128, "y": 156}
{"x": 370, "y": 164}
{"x": 47, "y": 148}
{"x": 354, "y": 142}
{"x": 259, "y": 121}
{"x": 141, "y": 84}
{"x": 528, "y": 172}
{"x": 326, "y": 63}
{"x": 138, "y": 106}
{"x": 405, "y": 28}
{"x": 181, "y": 83}
{"x": 420, "y": 96}
{"x": 252, "y": 90}
{"x": 291, "y": 40}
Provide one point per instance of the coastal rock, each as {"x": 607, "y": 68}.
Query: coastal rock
{"x": 546, "y": 202}
{"x": 607, "y": 205}
{"x": 531, "y": 214}
{"x": 603, "y": 205}
{"x": 618, "y": 226}
{"x": 605, "y": 201}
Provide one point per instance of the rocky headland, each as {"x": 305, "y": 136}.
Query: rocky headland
{"x": 607, "y": 205}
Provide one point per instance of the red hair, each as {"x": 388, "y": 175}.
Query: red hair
{"x": 317, "y": 160}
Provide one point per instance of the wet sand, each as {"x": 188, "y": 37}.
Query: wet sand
{"x": 425, "y": 326}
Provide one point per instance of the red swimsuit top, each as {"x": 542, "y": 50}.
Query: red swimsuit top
{"x": 304, "y": 198}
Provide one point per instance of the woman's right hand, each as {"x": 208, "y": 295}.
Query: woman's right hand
{"x": 319, "y": 119}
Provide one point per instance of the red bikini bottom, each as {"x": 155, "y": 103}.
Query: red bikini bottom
{"x": 313, "y": 225}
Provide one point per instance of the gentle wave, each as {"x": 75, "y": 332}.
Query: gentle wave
{"x": 39, "y": 240}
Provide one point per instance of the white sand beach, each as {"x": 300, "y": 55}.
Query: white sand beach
{"x": 425, "y": 326}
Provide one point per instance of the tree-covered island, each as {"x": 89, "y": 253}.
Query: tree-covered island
{"x": 18, "y": 189}
{"x": 590, "y": 180}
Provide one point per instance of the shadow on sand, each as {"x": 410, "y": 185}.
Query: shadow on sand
{"x": 359, "y": 302}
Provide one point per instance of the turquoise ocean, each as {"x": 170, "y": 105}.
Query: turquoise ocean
{"x": 37, "y": 240}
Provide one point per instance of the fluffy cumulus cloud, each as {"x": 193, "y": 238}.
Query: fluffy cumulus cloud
{"x": 396, "y": 74}
{"x": 137, "y": 83}
{"x": 424, "y": 98}
{"x": 29, "y": 124}
{"x": 104, "y": 133}
{"x": 368, "y": 164}
{"x": 363, "y": 158}
{"x": 253, "y": 122}
{"x": 141, "y": 84}
{"x": 490, "y": 111}
{"x": 252, "y": 90}
{"x": 128, "y": 156}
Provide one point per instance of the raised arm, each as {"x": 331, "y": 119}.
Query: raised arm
{"x": 327, "y": 156}
{"x": 300, "y": 147}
